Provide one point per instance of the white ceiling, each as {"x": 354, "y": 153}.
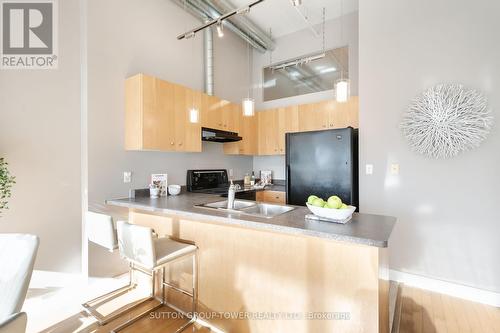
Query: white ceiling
{"x": 283, "y": 18}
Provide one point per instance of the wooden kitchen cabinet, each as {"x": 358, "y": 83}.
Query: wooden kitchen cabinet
{"x": 157, "y": 118}
{"x": 288, "y": 122}
{"x": 157, "y": 115}
{"x": 271, "y": 197}
{"x": 187, "y": 134}
{"x": 267, "y": 132}
{"x": 211, "y": 112}
{"x": 248, "y": 131}
{"x": 328, "y": 114}
{"x": 273, "y": 124}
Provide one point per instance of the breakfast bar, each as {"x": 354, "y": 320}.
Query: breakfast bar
{"x": 279, "y": 274}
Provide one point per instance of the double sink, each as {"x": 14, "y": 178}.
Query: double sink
{"x": 250, "y": 208}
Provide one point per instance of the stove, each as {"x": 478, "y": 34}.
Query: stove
{"x": 214, "y": 182}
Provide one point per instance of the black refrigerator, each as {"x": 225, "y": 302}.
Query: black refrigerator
{"x": 322, "y": 163}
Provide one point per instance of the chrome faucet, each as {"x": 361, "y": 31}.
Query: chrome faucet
{"x": 231, "y": 193}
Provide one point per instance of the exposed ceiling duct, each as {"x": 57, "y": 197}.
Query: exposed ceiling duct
{"x": 240, "y": 25}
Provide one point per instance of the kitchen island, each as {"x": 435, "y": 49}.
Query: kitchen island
{"x": 280, "y": 274}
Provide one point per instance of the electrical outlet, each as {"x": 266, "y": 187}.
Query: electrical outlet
{"x": 369, "y": 169}
{"x": 395, "y": 169}
{"x": 127, "y": 177}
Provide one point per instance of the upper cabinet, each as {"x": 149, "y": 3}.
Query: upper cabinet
{"x": 157, "y": 115}
{"x": 328, "y": 114}
{"x": 157, "y": 118}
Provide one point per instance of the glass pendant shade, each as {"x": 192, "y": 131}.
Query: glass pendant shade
{"x": 342, "y": 92}
{"x": 248, "y": 107}
{"x": 194, "y": 115}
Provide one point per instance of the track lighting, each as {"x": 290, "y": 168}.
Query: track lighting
{"x": 220, "y": 29}
{"x": 296, "y": 3}
{"x": 189, "y": 35}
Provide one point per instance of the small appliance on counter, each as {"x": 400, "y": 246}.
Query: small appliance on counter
{"x": 214, "y": 182}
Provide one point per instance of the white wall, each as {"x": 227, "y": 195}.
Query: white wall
{"x": 40, "y": 138}
{"x": 132, "y": 36}
{"x": 447, "y": 209}
{"x": 296, "y": 44}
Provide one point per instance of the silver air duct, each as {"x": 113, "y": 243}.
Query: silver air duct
{"x": 245, "y": 29}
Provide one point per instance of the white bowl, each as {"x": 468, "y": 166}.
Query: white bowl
{"x": 174, "y": 189}
{"x": 333, "y": 214}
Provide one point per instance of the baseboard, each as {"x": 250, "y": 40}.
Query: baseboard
{"x": 448, "y": 288}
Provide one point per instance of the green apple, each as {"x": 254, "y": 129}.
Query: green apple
{"x": 318, "y": 202}
{"x": 327, "y": 205}
{"x": 344, "y": 206}
{"x": 311, "y": 198}
{"x": 334, "y": 202}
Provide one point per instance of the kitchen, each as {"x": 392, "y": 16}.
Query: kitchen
{"x": 266, "y": 142}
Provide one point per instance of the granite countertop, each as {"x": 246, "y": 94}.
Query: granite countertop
{"x": 366, "y": 229}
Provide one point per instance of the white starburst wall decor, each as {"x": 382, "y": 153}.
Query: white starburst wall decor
{"x": 446, "y": 120}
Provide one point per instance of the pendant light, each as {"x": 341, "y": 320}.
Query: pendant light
{"x": 193, "y": 112}
{"x": 248, "y": 103}
{"x": 342, "y": 86}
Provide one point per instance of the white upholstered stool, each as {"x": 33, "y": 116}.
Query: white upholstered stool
{"x": 148, "y": 255}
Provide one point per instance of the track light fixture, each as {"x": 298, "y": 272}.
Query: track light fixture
{"x": 296, "y": 3}
{"x": 220, "y": 29}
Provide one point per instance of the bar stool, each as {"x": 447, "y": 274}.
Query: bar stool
{"x": 101, "y": 231}
{"x": 148, "y": 255}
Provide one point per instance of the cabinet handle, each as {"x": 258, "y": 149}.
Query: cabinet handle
{"x": 172, "y": 143}
{"x": 180, "y": 144}
{"x": 324, "y": 126}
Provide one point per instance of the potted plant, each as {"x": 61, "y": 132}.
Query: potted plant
{"x": 6, "y": 183}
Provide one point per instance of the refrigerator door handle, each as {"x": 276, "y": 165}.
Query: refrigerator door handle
{"x": 287, "y": 183}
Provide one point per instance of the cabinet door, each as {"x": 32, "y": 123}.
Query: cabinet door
{"x": 229, "y": 120}
{"x": 158, "y": 114}
{"x": 248, "y": 131}
{"x": 181, "y": 111}
{"x": 211, "y": 112}
{"x": 192, "y": 133}
{"x": 288, "y": 122}
{"x": 313, "y": 117}
{"x": 343, "y": 114}
{"x": 268, "y": 132}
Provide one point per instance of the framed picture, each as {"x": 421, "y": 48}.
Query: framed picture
{"x": 266, "y": 177}
{"x": 161, "y": 181}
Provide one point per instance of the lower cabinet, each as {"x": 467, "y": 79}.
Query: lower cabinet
{"x": 271, "y": 197}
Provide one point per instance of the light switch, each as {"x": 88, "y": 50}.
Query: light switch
{"x": 127, "y": 177}
{"x": 369, "y": 169}
{"x": 395, "y": 169}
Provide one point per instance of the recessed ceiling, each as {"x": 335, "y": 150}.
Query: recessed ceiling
{"x": 283, "y": 18}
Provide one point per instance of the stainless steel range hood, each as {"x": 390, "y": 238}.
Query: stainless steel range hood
{"x": 215, "y": 135}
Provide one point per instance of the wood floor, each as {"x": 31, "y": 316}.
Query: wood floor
{"x": 420, "y": 311}
{"x": 161, "y": 321}
{"x": 423, "y": 311}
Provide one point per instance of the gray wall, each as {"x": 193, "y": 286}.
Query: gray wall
{"x": 128, "y": 37}
{"x": 296, "y": 44}
{"x": 40, "y": 138}
{"x": 447, "y": 209}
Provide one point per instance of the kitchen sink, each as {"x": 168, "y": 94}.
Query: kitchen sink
{"x": 250, "y": 208}
{"x": 266, "y": 210}
{"x": 238, "y": 204}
